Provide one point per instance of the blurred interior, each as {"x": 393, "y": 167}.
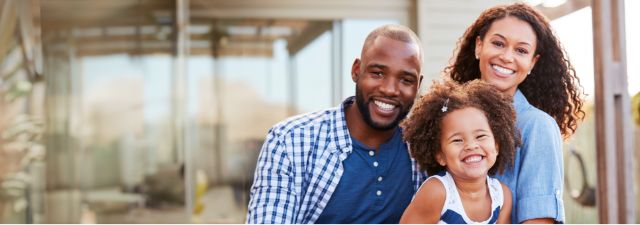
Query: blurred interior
{"x": 154, "y": 111}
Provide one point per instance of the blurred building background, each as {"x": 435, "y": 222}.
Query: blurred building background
{"x": 154, "y": 111}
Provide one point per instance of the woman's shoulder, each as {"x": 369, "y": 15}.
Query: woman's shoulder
{"x": 529, "y": 113}
{"x": 534, "y": 118}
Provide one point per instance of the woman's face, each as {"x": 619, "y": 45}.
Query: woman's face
{"x": 506, "y": 53}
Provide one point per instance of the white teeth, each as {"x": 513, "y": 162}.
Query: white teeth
{"x": 384, "y": 106}
{"x": 502, "y": 69}
{"x": 472, "y": 159}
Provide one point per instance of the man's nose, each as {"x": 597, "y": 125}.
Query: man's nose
{"x": 389, "y": 86}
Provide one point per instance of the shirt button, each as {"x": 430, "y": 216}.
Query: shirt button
{"x": 380, "y": 179}
{"x": 379, "y": 192}
{"x": 375, "y": 164}
{"x": 371, "y": 153}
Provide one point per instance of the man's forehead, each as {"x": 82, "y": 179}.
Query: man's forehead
{"x": 388, "y": 44}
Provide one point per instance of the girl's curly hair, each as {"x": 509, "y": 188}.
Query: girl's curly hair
{"x": 552, "y": 86}
{"x": 422, "y": 129}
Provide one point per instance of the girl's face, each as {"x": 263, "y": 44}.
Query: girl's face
{"x": 506, "y": 53}
{"x": 468, "y": 146}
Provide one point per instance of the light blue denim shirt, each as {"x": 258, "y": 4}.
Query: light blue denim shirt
{"x": 537, "y": 176}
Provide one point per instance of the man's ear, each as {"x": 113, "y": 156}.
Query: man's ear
{"x": 355, "y": 67}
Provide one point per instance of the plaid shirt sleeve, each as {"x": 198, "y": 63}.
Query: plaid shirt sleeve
{"x": 273, "y": 196}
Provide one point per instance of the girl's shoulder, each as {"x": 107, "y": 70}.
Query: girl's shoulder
{"x": 434, "y": 186}
{"x": 427, "y": 204}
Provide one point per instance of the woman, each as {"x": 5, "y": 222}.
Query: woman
{"x": 513, "y": 48}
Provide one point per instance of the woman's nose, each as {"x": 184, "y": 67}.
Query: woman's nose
{"x": 506, "y": 56}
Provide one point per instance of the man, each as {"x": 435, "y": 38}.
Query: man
{"x": 347, "y": 164}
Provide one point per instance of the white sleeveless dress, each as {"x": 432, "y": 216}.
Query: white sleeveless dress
{"x": 453, "y": 211}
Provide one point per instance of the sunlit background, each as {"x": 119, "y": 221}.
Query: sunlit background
{"x": 107, "y": 116}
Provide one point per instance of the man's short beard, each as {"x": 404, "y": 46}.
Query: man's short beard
{"x": 366, "y": 114}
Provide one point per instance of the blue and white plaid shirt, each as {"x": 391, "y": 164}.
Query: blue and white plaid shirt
{"x": 300, "y": 165}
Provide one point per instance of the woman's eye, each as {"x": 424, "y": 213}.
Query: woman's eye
{"x": 497, "y": 43}
{"x": 522, "y": 51}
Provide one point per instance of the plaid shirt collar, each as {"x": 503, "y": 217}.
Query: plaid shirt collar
{"x": 341, "y": 137}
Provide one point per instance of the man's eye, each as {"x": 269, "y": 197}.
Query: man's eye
{"x": 407, "y": 81}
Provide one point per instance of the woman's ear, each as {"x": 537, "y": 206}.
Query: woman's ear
{"x": 534, "y": 60}
{"x": 478, "y": 47}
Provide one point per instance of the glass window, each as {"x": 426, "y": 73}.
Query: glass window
{"x": 312, "y": 73}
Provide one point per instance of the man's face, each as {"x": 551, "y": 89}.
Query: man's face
{"x": 387, "y": 80}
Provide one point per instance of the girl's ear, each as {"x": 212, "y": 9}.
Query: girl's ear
{"x": 440, "y": 159}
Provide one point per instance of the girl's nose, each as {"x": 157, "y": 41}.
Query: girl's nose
{"x": 472, "y": 145}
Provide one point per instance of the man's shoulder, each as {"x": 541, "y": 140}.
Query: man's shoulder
{"x": 306, "y": 121}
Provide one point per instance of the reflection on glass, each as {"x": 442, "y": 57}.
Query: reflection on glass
{"x": 21, "y": 121}
{"x": 240, "y": 87}
{"x": 112, "y": 156}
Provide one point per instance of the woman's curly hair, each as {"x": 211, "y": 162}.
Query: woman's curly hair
{"x": 552, "y": 86}
{"x": 422, "y": 129}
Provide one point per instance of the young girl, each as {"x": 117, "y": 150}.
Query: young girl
{"x": 461, "y": 134}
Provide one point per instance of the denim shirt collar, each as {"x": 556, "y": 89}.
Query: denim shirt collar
{"x": 520, "y": 101}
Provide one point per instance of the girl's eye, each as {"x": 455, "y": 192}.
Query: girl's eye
{"x": 481, "y": 136}
{"x": 457, "y": 141}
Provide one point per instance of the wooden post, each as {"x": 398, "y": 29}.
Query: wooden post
{"x": 615, "y": 196}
